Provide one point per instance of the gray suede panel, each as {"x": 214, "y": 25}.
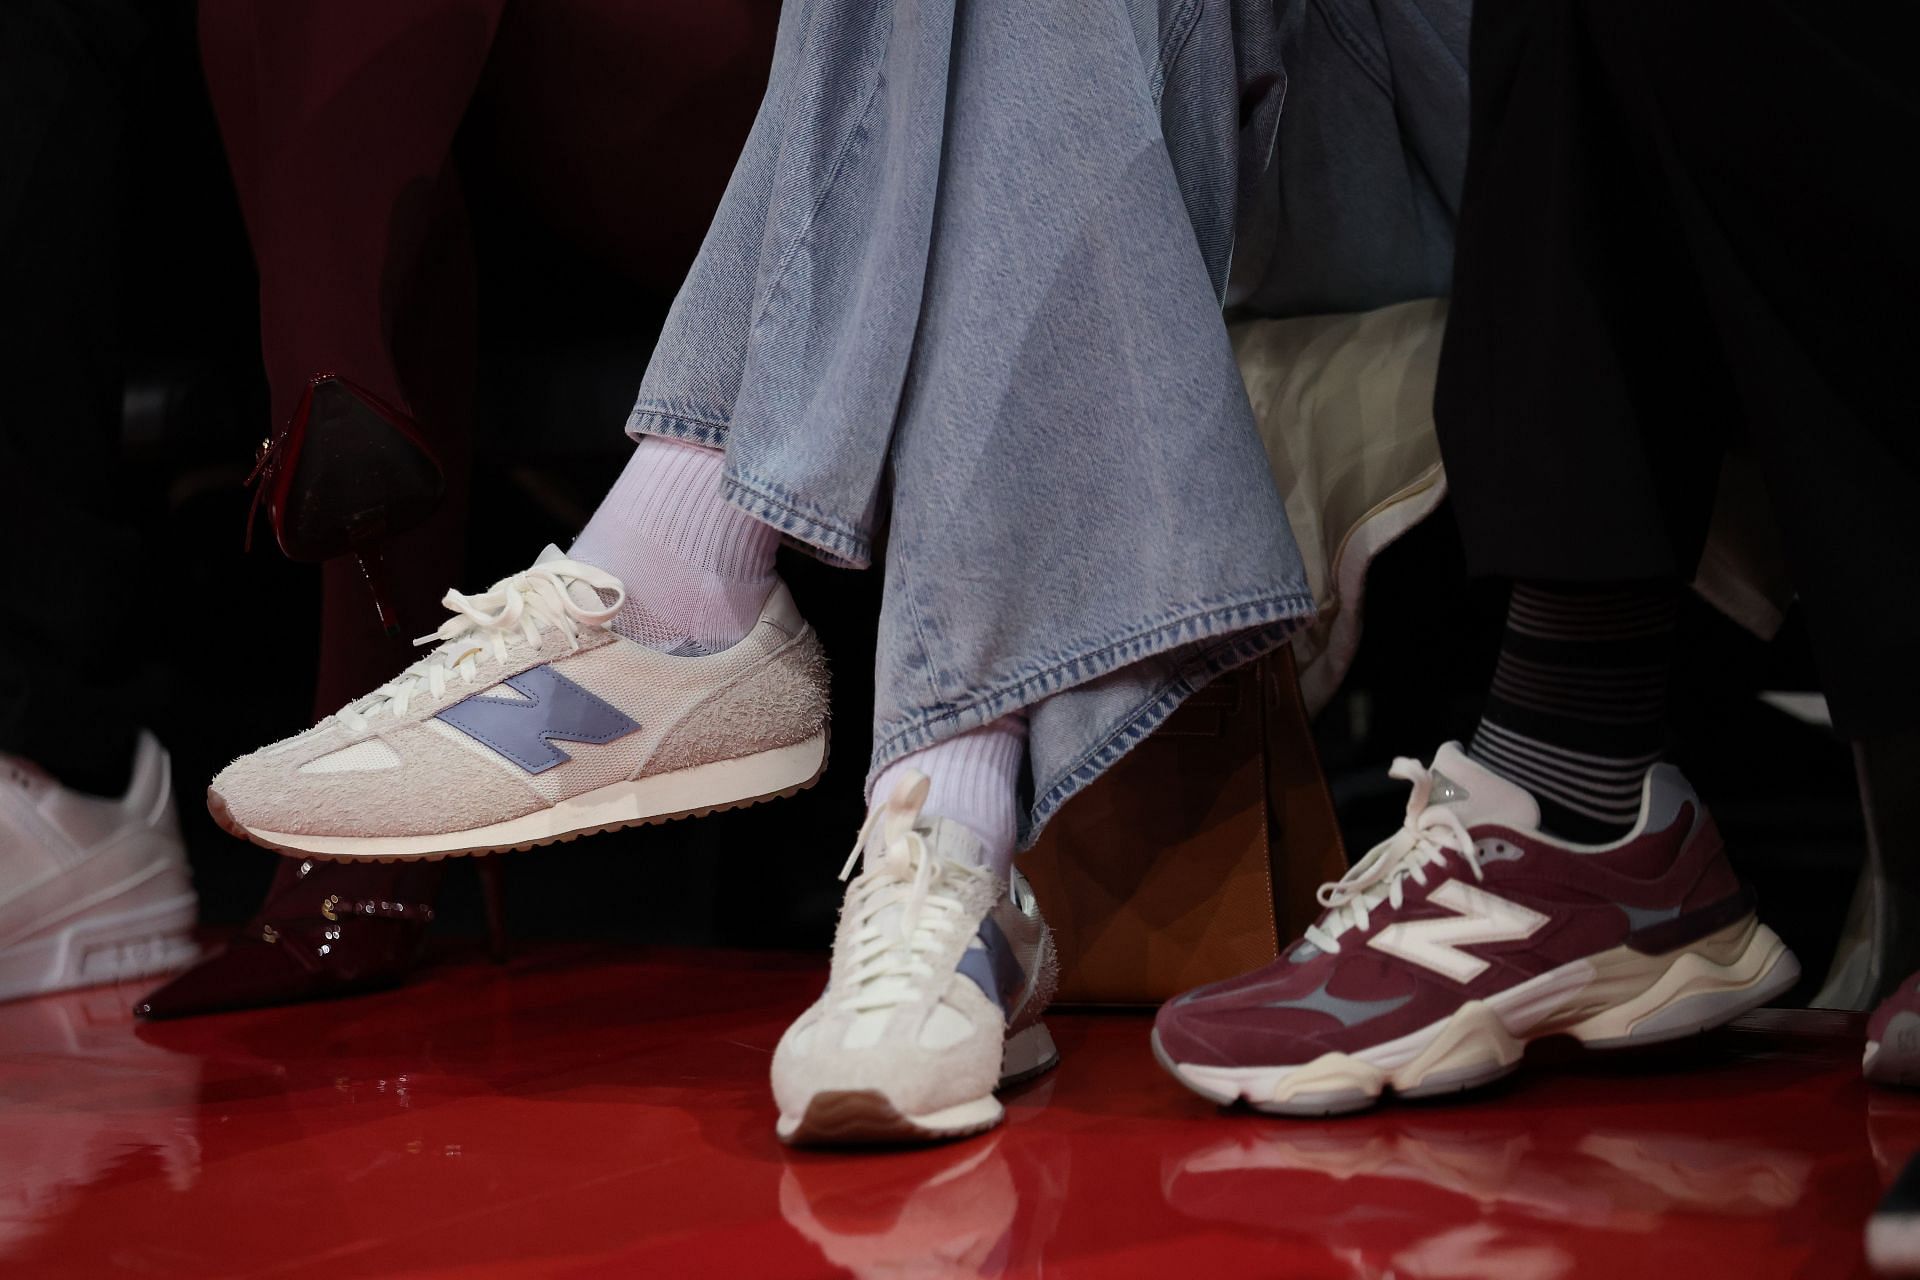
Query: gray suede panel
{"x": 438, "y": 787}
{"x": 776, "y": 703}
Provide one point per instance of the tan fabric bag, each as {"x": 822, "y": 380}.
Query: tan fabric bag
{"x": 1196, "y": 856}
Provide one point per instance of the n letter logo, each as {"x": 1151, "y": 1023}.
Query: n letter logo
{"x": 549, "y": 707}
{"x": 1478, "y": 917}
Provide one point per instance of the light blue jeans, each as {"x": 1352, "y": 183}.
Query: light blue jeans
{"x": 965, "y": 289}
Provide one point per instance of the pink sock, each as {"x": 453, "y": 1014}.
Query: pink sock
{"x": 697, "y": 568}
{"x": 974, "y": 780}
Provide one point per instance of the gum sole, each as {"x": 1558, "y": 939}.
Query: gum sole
{"x": 864, "y": 1118}
{"x": 223, "y": 817}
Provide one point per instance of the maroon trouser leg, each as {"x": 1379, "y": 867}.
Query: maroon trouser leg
{"x": 618, "y": 120}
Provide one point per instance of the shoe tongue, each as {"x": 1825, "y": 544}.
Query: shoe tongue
{"x": 947, "y": 840}
{"x": 1478, "y": 794}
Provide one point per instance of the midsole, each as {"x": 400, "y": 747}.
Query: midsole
{"x": 1027, "y": 1052}
{"x": 174, "y": 914}
{"x": 662, "y": 795}
{"x": 1601, "y": 998}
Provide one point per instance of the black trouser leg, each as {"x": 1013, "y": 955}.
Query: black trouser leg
{"x": 71, "y": 659}
{"x": 1684, "y": 225}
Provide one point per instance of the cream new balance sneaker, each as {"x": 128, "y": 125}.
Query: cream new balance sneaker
{"x": 92, "y": 890}
{"x": 532, "y": 722}
{"x": 940, "y": 974}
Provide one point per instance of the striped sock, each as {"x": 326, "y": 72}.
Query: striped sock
{"x": 974, "y": 779}
{"x": 1577, "y": 712}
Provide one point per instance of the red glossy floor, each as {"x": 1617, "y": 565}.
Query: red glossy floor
{"x": 593, "y": 1112}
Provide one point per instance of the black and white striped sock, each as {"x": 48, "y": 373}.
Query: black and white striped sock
{"x": 1577, "y": 712}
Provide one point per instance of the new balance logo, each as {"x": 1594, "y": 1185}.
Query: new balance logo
{"x": 524, "y": 731}
{"x": 989, "y": 961}
{"x": 1479, "y": 917}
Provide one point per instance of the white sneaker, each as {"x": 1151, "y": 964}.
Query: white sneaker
{"x": 940, "y": 975}
{"x": 92, "y": 890}
{"x": 532, "y": 722}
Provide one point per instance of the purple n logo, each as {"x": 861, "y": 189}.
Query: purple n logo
{"x": 990, "y": 962}
{"x": 524, "y": 732}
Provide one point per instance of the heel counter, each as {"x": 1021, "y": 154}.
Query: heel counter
{"x": 781, "y": 611}
{"x": 149, "y": 796}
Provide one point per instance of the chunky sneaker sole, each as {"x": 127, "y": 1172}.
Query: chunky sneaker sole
{"x": 1643, "y": 1000}
{"x": 865, "y": 1117}
{"x": 1893, "y": 1232}
{"x": 684, "y": 793}
{"x": 103, "y": 947}
{"x": 533, "y": 723}
{"x": 941, "y": 972}
{"x": 1892, "y": 1055}
{"x": 1470, "y": 933}
{"x": 113, "y": 906}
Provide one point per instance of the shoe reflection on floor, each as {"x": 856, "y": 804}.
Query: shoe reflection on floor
{"x": 604, "y": 1111}
{"x": 133, "y": 1112}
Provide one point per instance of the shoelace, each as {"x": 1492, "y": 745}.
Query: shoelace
{"x": 889, "y": 957}
{"x": 1425, "y": 839}
{"x": 520, "y": 605}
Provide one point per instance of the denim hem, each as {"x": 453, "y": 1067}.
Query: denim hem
{"x": 765, "y": 501}
{"x": 677, "y": 426}
{"x": 1243, "y": 631}
{"x": 829, "y": 540}
{"x": 1207, "y": 665}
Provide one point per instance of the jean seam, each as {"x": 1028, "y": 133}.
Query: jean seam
{"x": 919, "y": 627}
{"x": 1209, "y": 665}
{"x": 658, "y": 409}
{"x": 857, "y": 132}
{"x": 835, "y": 543}
{"x": 709, "y": 435}
{"x": 1026, "y": 689}
{"x": 1349, "y": 39}
{"x": 1184, "y": 22}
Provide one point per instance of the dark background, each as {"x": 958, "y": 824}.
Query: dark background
{"x": 564, "y": 340}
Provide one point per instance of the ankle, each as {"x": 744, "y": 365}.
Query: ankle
{"x": 1558, "y": 816}
{"x": 696, "y": 568}
{"x": 975, "y": 781}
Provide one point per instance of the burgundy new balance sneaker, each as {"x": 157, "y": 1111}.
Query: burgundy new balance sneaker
{"x": 1469, "y": 933}
{"x": 1893, "y": 1039}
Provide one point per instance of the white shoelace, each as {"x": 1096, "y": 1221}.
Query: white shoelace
{"x": 519, "y": 607}
{"x": 890, "y": 957}
{"x": 1428, "y": 835}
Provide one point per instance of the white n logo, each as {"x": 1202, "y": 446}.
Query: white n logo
{"x": 1480, "y": 917}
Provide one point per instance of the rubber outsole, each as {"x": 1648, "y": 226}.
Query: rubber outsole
{"x": 224, "y": 819}
{"x": 1895, "y": 1058}
{"x": 103, "y": 947}
{"x": 1474, "y": 1046}
{"x": 866, "y": 1117}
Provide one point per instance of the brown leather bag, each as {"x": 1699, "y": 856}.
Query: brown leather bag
{"x": 1196, "y": 856}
